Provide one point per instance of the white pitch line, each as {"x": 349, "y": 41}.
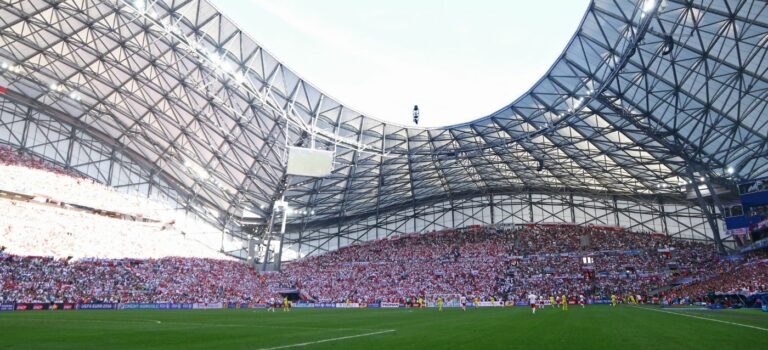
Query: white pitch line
{"x": 702, "y": 318}
{"x": 328, "y": 340}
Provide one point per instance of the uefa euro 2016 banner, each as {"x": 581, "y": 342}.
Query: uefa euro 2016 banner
{"x": 453, "y": 303}
{"x": 156, "y": 306}
{"x": 101, "y": 306}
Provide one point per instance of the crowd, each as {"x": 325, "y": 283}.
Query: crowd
{"x": 503, "y": 263}
{"x": 483, "y": 262}
{"x": 50, "y": 211}
{"x": 179, "y": 280}
{"x": 40, "y": 229}
{"x": 746, "y": 278}
{"x": 11, "y": 157}
{"x": 23, "y": 174}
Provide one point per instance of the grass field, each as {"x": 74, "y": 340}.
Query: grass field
{"x": 596, "y": 327}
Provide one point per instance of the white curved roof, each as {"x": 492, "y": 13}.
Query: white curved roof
{"x": 644, "y": 95}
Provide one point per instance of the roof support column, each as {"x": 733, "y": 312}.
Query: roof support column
{"x": 663, "y": 217}
{"x": 70, "y": 147}
{"x": 112, "y": 166}
{"x": 453, "y": 215}
{"x": 27, "y": 120}
{"x": 493, "y": 208}
{"x": 707, "y": 213}
{"x": 530, "y": 206}
{"x": 573, "y": 210}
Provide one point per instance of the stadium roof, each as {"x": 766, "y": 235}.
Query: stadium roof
{"x": 647, "y": 96}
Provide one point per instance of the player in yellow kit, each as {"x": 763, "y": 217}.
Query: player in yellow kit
{"x": 564, "y": 300}
{"x": 552, "y": 301}
{"x": 286, "y": 304}
{"x": 613, "y": 300}
{"x": 477, "y": 301}
{"x": 439, "y": 304}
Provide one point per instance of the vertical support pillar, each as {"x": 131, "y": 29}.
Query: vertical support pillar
{"x": 267, "y": 248}
{"x": 708, "y": 213}
{"x": 70, "y": 147}
{"x": 338, "y": 235}
{"x": 223, "y": 232}
{"x": 663, "y": 217}
{"x": 112, "y": 167}
{"x": 279, "y": 258}
{"x": 573, "y": 210}
{"x": 453, "y": 214}
{"x": 301, "y": 239}
{"x": 25, "y": 132}
{"x": 493, "y": 208}
{"x": 530, "y": 206}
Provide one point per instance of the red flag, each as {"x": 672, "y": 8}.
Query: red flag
{"x": 3, "y": 89}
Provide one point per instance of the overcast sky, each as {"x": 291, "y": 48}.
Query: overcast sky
{"x": 458, "y": 60}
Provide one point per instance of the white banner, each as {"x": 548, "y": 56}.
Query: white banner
{"x": 347, "y": 305}
{"x": 737, "y": 231}
{"x": 208, "y": 306}
{"x": 490, "y": 304}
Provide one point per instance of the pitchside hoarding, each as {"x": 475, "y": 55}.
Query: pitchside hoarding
{"x": 103, "y": 306}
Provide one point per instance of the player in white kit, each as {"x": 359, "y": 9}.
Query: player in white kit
{"x": 532, "y": 298}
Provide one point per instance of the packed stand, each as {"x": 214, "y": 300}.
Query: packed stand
{"x": 11, "y": 157}
{"x": 744, "y": 278}
{"x": 25, "y": 175}
{"x": 177, "y": 280}
{"x": 39, "y": 229}
{"x": 504, "y": 263}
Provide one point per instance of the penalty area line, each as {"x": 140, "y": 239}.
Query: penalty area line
{"x": 329, "y": 340}
{"x": 703, "y": 318}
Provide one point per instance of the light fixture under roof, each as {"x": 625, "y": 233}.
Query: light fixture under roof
{"x": 648, "y": 5}
{"x": 140, "y": 5}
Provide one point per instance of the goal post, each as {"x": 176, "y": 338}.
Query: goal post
{"x": 449, "y": 299}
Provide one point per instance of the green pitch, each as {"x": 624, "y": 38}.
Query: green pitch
{"x": 596, "y": 327}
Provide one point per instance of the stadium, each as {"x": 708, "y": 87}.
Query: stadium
{"x": 166, "y": 182}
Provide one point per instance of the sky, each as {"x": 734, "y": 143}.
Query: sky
{"x": 457, "y": 60}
